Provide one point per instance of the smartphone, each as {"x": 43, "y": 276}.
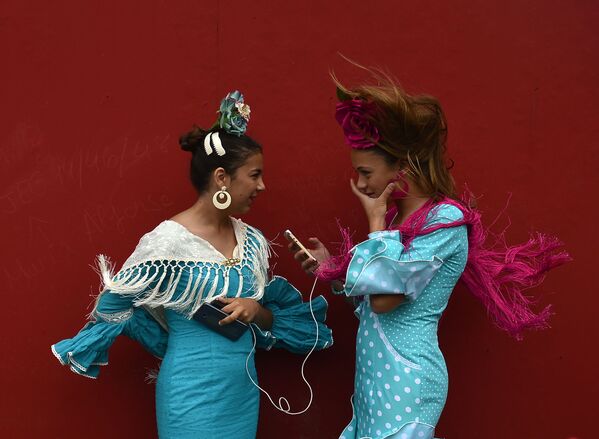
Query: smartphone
{"x": 291, "y": 238}
{"x": 209, "y": 314}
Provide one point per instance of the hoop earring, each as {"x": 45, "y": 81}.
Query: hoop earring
{"x": 220, "y": 195}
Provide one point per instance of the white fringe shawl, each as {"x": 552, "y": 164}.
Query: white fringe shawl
{"x": 149, "y": 282}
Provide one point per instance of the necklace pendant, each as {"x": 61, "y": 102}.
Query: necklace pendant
{"x": 231, "y": 261}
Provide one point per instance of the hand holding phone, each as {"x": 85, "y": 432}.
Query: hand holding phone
{"x": 291, "y": 238}
{"x": 308, "y": 258}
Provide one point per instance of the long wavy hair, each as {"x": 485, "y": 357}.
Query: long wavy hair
{"x": 413, "y": 131}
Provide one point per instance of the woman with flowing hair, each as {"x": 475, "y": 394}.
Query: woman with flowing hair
{"x": 423, "y": 239}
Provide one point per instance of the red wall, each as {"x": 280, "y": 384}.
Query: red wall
{"x": 94, "y": 95}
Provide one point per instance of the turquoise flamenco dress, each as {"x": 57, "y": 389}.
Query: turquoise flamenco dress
{"x": 203, "y": 374}
{"x": 401, "y": 381}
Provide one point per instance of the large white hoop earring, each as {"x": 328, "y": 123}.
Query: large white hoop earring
{"x": 218, "y": 197}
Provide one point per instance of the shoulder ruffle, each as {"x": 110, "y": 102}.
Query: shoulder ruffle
{"x": 88, "y": 350}
{"x": 376, "y": 268}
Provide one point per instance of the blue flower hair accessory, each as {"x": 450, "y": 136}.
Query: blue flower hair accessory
{"x": 234, "y": 114}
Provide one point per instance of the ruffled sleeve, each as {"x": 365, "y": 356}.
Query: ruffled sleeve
{"x": 381, "y": 264}
{"x": 293, "y": 327}
{"x": 114, "y": 315}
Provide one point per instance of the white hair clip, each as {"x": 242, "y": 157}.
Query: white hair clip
{"x": 218, "y": 146}
{"x": 207, "y": 146}
{"x": 213, "y": 139}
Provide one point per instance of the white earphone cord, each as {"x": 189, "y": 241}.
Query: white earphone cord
{"x": 282, "y": 399}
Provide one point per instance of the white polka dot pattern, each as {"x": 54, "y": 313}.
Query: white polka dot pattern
{"x": 401, "y": 381}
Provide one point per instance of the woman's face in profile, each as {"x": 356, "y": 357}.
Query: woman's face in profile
{"x": 374, "y": 173}
{"x": 246, "y": 184}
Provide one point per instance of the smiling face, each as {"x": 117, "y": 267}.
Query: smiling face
{"x": 245, "y": 184}
{"x": 374, "y": 173}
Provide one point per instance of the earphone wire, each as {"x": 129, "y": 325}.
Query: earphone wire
{"x": 282, "y": 399}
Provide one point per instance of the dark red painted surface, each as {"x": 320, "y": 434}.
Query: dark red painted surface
{"x": 94, "y": 95}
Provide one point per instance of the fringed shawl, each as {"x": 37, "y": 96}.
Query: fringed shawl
{"x": 175, "y": 269}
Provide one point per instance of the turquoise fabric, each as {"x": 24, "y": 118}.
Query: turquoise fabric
{"x": 88, "y": 350}
{"x": 202, "y": 378}
{"x": 401, "y": 382}
{"x": 203, "y": 375}
{"x": 376, "y": 268}
{"x": 290, "y": 314}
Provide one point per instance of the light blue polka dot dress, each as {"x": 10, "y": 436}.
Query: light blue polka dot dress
{"x": 401, "y": 379}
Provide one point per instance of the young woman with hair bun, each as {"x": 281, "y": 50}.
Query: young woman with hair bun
{"x": 200, "y": 257}
{"x": 423, "y": 239}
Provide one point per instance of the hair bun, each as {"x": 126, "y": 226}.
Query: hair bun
{"x": 193, "y": 139}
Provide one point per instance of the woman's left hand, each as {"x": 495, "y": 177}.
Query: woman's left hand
{"x": 239, "y": 308}
{"x": 375, "y": 208}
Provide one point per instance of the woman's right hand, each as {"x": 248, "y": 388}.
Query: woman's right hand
{"x": 375, "y": 208}
{"x": 318, "y": 250}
